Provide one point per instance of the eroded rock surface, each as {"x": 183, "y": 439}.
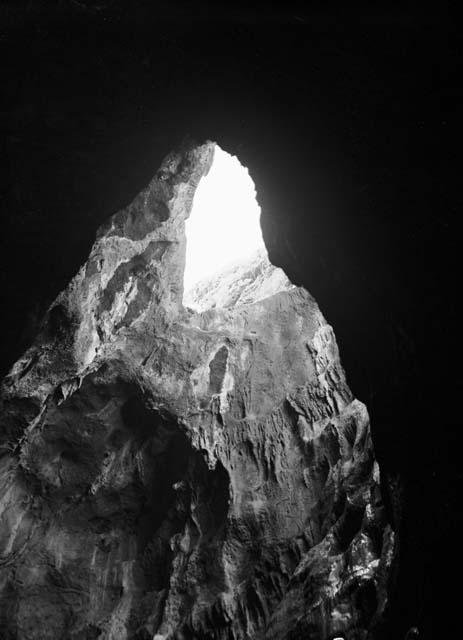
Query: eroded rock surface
{"x": 167, "y": 473}
{"x": 245, "y": 281}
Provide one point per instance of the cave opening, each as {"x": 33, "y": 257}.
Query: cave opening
{"x": 223, "y": 229}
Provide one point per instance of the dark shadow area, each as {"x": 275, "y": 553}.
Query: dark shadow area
{"x": 121, "y": 479}
{"x": 217, "y": 369}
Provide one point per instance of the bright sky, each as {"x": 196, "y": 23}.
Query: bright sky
{"x": 224, "y": 222}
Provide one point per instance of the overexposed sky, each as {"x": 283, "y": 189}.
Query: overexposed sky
{"x": 224, "y": 222}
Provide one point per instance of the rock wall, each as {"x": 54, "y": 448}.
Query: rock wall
{"x": 244, "y": 281}
{"x": 168, "y": 473}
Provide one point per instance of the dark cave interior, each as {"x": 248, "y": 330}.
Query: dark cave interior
{"x": 160, "y": 476}
{"x": 348, "y": 124}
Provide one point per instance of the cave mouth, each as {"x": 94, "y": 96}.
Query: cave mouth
{"x": 223, "y": 228}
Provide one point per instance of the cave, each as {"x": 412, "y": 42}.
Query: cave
{"x": 276, "y": 451}
{"x": 223, "y": 226}
{"x": 198, "y": 464}
{"x": 119, "y": 477}
{"x": 226, "y": 260}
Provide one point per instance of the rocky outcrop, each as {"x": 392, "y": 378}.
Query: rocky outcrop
{"x": 168, "y": 473}
{"x": 244, "y": 281}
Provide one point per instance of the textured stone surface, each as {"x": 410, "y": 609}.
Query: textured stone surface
{"x": 167, "y": 473}
{"x": 243, "y": 282}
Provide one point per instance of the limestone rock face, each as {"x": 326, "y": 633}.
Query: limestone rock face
{"x": 242, "y": 282}
{"x": 168, "y": 473}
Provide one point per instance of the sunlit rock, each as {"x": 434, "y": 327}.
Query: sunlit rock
{"x": 171, "y": 473}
